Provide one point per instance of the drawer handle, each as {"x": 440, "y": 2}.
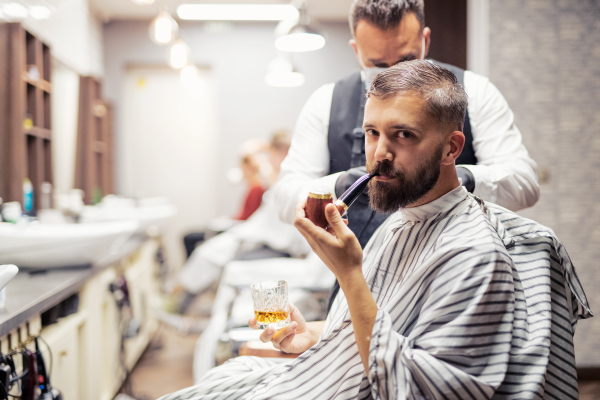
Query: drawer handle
{"x": 62, "y": 353}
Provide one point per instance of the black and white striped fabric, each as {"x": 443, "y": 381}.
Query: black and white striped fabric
{"x": 474, "y": 301}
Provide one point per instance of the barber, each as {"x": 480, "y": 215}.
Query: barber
{"x": 327, "y": 150}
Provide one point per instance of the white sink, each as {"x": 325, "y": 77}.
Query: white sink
{"x": 147, "y": 213}
{"x": 35, "y": 245}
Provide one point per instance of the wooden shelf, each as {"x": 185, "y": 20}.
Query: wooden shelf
{"x": 99, "y": 147}
{"x": 93, "y": 173}
{"x": 40, "y": 83}
{"x": 38, "y": 132}
{"x": 25, "y": 153}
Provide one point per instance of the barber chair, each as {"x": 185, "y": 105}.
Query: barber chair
{"x": 553, "y": 294}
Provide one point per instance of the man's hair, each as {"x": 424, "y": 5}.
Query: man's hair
{"x": 446, "y": 98}
{"x": 384, "y": 14}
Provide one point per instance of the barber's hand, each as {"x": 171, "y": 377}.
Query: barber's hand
{"x": 294, "y": 338}
{"x": 468, "y": 180}
{"x": 341, "y": 253}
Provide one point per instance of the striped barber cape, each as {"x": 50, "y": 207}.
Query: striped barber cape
{"x": 474, "y": 302}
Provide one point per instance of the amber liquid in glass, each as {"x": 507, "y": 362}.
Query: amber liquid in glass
{"x": 270, "y": 317}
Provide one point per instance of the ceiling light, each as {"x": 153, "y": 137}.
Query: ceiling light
{"x": 39, "y": 12}
{"x": 15, "y": 10}
{"x": 298, "y": 35}
{"x": 143, "y": 2}
{"x": 163, "y": 28}
{"x": 237, "y": 12}
{"x": 300, "y": 40}
{"x": 178, "y": 54}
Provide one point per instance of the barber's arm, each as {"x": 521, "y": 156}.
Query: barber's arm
{"x": 505, "y": 173}
{"x": 307, "y": 162}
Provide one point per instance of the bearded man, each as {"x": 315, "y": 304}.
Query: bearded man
{"x": 435, "y": 308}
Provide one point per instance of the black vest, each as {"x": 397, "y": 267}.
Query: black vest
{"x": 346, "y": 142}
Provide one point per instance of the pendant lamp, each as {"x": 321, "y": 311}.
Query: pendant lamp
{"x": 299, "y": 35}
{"x": 163, "y": 29}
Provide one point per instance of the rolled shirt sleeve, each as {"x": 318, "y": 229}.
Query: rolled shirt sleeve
{"x": 459, "y": 346}
{"x": 505, "y": 173}
{"x": 307, "y": 164}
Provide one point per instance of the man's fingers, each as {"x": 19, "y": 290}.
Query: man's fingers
{"x": 285, "y": 332}
{"x": 285, "y": 343}
{"x": 252, "y": 323}
{"x": 267, "y": 335}
{"x": 335, "y": 220}
{"x": 312, "y": 233}
{"x": 300, "y": 213}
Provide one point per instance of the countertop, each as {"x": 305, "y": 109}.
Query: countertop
{"x": 34, "y": 292}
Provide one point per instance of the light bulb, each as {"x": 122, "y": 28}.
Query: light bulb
{"x": 14, "y": 11}
{"x": 143, "y": 2}
{"x": 299, "y": 42}
{"x": 40, "y": 12}
{"x": 163, "y": 28}
{"x": 178, "y": 54}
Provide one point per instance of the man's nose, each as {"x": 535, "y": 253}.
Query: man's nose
{"x": 383, "y": 151}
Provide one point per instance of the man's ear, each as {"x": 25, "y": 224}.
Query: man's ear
{"x": 456, "y": 142}
{"x": 352, "y": 43}
{"x": 427, "y": 36}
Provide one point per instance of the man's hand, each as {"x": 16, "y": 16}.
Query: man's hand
{"x": 295, "y": 338}
{"x": 343, "y": 255}
{"x": 341, "y": 252}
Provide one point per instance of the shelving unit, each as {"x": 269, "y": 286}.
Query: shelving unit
{"x": 25, "y": 113}
{"x": 93, "y": 172}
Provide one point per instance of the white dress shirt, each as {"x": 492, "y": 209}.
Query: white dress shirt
{"x": 505, "y": 174}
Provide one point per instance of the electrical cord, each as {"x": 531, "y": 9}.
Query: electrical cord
{"x": 25, "y": 370}
{"x": 6, "y": 394}
{"x": 50, "y": 354}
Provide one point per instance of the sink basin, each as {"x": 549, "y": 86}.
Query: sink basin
{"x": 41, "y": 246}
{"x": 147, "y": 213}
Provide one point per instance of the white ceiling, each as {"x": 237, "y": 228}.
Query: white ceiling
{"x": 323, "y": 10}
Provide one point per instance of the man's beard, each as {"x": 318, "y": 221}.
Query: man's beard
{"x": 389, "y": 197}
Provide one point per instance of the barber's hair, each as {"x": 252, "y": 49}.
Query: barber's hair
{"x": 384, "y": 14}
{"x": 446, "y": 98}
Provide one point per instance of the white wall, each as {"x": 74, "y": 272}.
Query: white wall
{"x": 171, "y": 148}
{"x": 247, "y": 107}
{"x": 65, "y": 108}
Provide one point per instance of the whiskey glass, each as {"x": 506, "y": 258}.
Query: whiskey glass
{"x": 271, "y": 306}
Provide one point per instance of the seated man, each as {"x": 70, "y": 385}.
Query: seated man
{"x": 435, "y": 308}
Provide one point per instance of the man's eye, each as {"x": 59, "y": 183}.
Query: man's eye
{"x": 404, "y": 134}
{"x": 372, "y": 132}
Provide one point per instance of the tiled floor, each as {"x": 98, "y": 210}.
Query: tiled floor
{"x": 165, "y": 367}
{"x": 589, "y": 390}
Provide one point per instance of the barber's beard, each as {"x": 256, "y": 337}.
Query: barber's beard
{"x": 407, "y": 189}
